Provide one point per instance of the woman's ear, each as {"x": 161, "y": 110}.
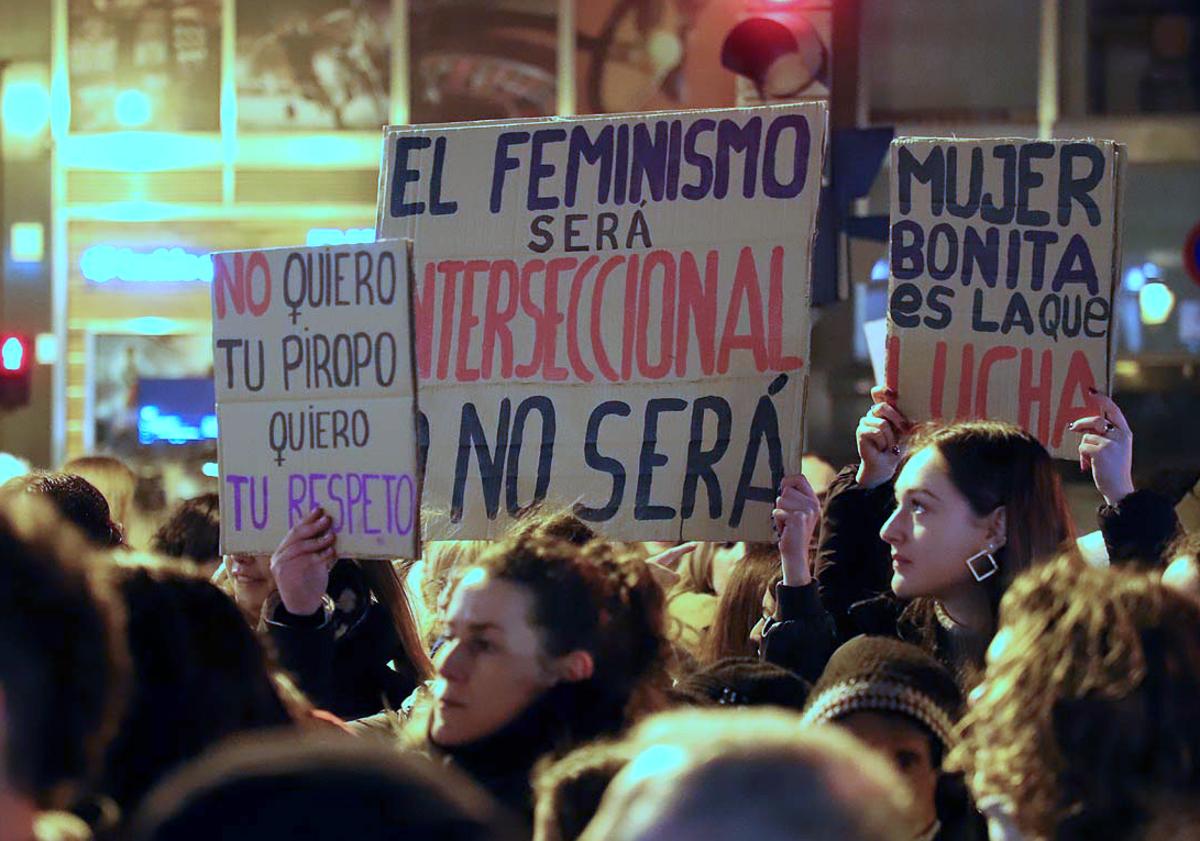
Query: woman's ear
{"x": 576, "y": 666}
{"x": 997, "y": 527}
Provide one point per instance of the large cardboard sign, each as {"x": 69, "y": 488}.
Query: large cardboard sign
{"x": 316, "y": 396}
{"x": 612, "y": 314}
{"x": 1004, "y": 261}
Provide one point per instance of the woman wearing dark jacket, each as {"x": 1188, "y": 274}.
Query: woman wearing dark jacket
{"x": 922, "y": 545}
{"x": 342, "y": 628}
{"x": 548, "y": 644}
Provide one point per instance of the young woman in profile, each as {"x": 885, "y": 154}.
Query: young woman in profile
{"x": 547, "y": 644}
{"x": 921, "y": 539}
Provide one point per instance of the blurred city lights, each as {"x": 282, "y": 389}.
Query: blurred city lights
{"x": 12, "y": 354}
{"x": 338, "y": 236}
{"x": 26, "y": 242}
{"x": 880, "y": 270}
{"x": 102, "y": 263}
{"x": 132, "y": 108}
{"x": 26, "y": 108}
{"x": 45, "y": 348}
{"x": 1135, "y": 279}
{"x": 210, "y": 469}
{"x": 1156, "y": 301}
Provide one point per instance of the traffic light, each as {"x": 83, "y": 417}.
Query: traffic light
{"x": 781, "y": 51}
{"x": 16, "y": 370}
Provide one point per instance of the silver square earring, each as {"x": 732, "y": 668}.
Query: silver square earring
{"x": 983, "y": 564}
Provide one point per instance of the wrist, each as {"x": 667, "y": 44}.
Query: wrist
{"x": 796, "y": 574}
{"x": 1113, "y": 496}
{"x": 301, "y": 605}
{"x": 868, "y": 479}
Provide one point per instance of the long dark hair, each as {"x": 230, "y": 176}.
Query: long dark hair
{"x": 997, "y": 464}
{"x": 200, "y": 674}
{"x": 592, "y": 598}
{"x": 741, "y": 604}
{"x": 389, "y": 590}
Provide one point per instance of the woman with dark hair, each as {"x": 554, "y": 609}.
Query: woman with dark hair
{"x": 343, "y": 628}
{"x": 192, "y": 533}
{"x": 1087, "y": 720}
{"x": 547, "y": 645}
{"x": 740, "y": 607}
{"x": 77, "y": 501}
{"x": 199, "y": 675}
{"x": 971, "y": 505}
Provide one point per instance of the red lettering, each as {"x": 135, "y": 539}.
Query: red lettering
{"x": 891, "y": 373}
{"x": 1079, "y": 380}
{"x": 699, "y": 305}
{"x": 528, "y": 369}
{"x": 938, "y": 392}
{"x": 966, "y": 376}
{"x": 779, "y": 362}
{"x": 991, "y": 356}
{"x": 631, "y": 285}
{"x": 495, "y": 320}
{"x": 573, "y": 354}
{"x": 467, "y": 320}
{"x": 666, "y": 325}
{"x": 224, "y": 285}
{"x": 450, "y": 270}
{"x": 239, "y": 288}
{"x": 745, "y": 293}
{"x": 602, "y": 361}
{"x": 258, "y": 260}
{"x": 1029, "y": 392}
{"x": 552, "y": 317}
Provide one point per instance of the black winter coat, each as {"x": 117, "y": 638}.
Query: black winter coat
{"x": 339, "y": 656}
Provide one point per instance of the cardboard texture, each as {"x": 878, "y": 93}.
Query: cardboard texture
{"x": 612, "y": 315}
{"x": 1004, "y": 262}
{"x": 316, "y": 396}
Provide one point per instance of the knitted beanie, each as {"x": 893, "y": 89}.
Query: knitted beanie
{"x": 743, "y": 681}
{"x": 886, "y": 675}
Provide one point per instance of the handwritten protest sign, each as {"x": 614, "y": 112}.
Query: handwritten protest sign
{"x": 316, "y": 396}
{"x": 1004, "y": 259}
{"x": 612, "y": 314}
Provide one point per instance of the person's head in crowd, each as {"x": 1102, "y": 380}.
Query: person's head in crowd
{"x": 567, "y": 791}
{"x": 707, "y": 568}
{"x": 278, "y": 788}
{"x": 742, "y": 682}
{"x": 442, "y": 559}
{"x": 77, "y": 501}
{"x": 729, "y": 775}
{"x": 1183, "y": 570}
{"x": 741, "y": 606}
{"x": 199, "y": 674}
{"x": 535, "y": 613}
{"x": 977, "y": 503}
{"x": 904, "y": 703}
{"x": 113, "y": 478}
{"x": 1088, "y": 712}
{"x": 62, "y": 659}
{"x": 192, "y": 533}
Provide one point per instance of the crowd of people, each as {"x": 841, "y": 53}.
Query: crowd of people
{"x": 923, "y": 653}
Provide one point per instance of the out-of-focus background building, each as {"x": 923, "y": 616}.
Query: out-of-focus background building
{"x": 139, "y": 135}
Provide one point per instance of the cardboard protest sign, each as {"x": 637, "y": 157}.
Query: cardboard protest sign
{"x": 1004, "y": 261}
{"x": 612, "y": 315}
{"x": 316, "y": 396}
